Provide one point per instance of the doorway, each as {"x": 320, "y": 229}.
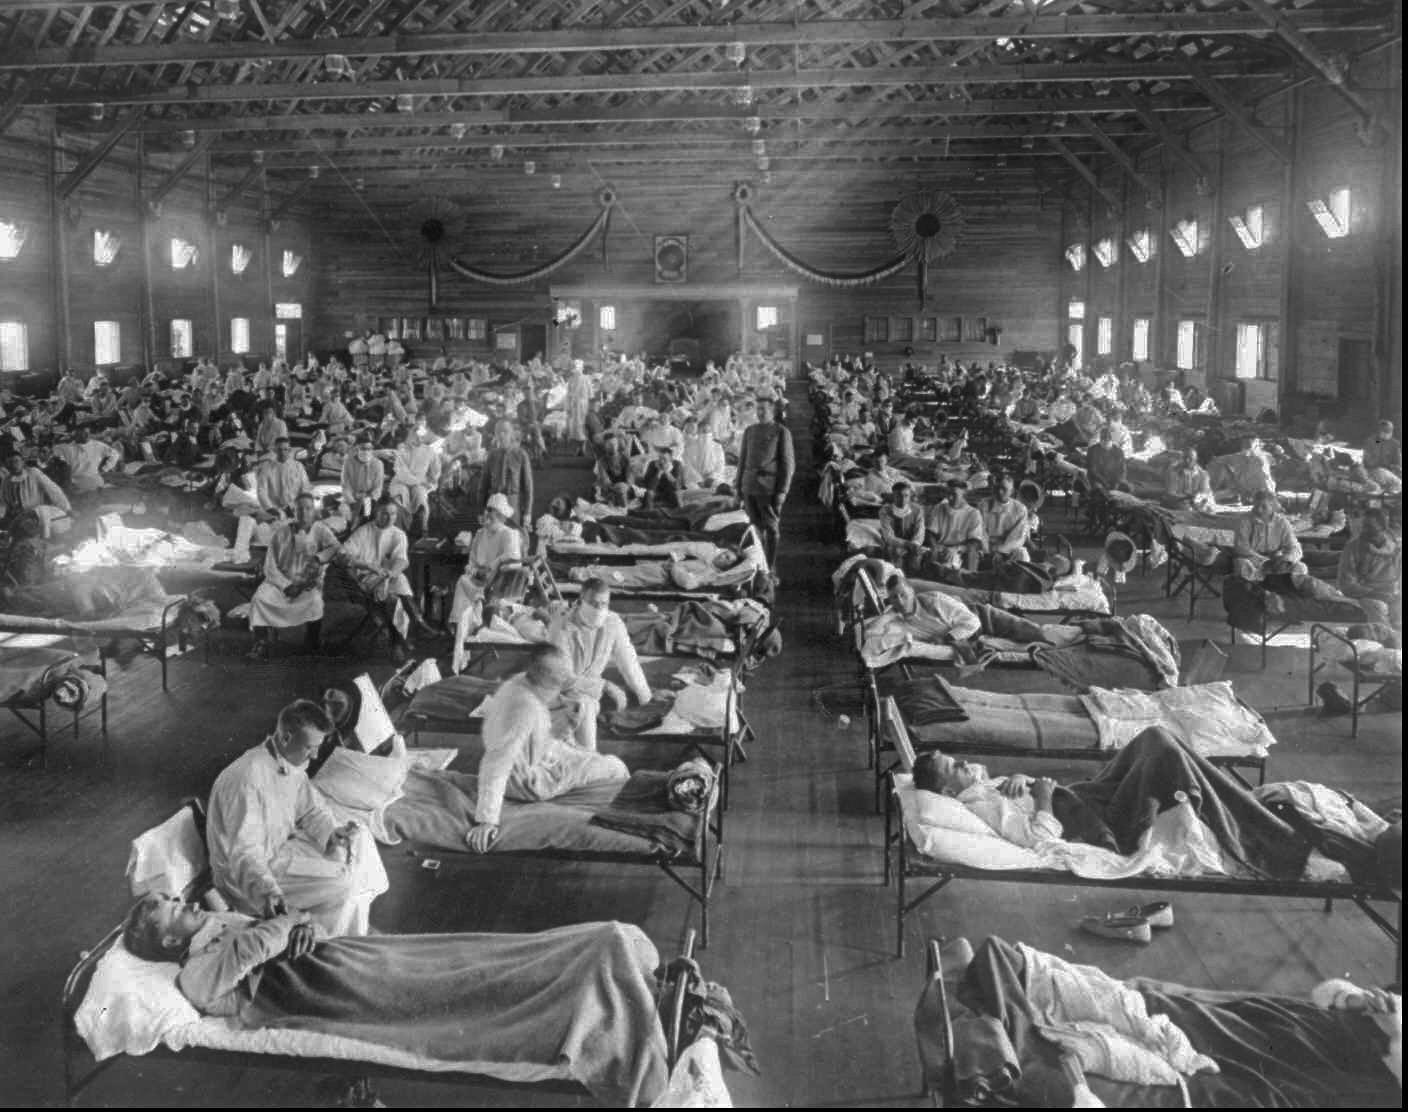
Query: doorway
{"x": 533, "y": 340}
{"x": 690, "y": 332}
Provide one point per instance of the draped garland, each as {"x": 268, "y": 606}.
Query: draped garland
{"x": 924, "y": 226}
{"x": 606, "y": 198}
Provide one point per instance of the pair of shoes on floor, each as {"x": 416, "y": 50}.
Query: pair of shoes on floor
{"x": 1333, "y": 701}
{"x": 1135, "y": 924}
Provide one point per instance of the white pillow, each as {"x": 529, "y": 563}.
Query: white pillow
{"x": 131, "y": 1004}
{"x": 940, "y": 831}
{"x": 362, "y": 782}
{"x": 943, "y": 811}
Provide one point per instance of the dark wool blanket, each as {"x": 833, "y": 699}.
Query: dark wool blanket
{"x": 579, "y": 997}
{"x": 1145, "y": 778}
{"x": 666, "y": 807}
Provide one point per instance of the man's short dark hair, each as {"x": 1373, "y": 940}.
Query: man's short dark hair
{"x": 304, "y": 714}
{"x": 542, "y": 659}
{"x": 927, "y": 776}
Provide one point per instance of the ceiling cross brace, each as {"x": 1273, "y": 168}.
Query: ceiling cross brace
{"x": 1087, "y": 174}
{"x": 1237, "y": 112}
{"x": 94, "y": 157}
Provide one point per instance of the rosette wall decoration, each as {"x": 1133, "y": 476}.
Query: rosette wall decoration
{"x": 435, "y": 220}
{"x": 925, "y": 227}
{"x": 605, "y": 197}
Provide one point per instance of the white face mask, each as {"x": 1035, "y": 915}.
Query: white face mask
{"x": 591, "y": 616}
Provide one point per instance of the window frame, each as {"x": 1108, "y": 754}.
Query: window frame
{"x": 176, "y": 245}
{"x": 605, "y": 318}
{"x": 766, "y": 317}
{"x": 181, "y": 337}
{"x": 1193, "y": 329}
{"x": 19, "y": 337}
{"x": 1075, "y": 309}
{"x": 1138, "y": 325}
{"x": 876, "y": 330}
{"x": 235, "y": 323}
{"x": 902, "y": 330}
{"x": 288, "y": 310}
{"x": 1267, "y": 339}
{"x": 1104, "y": 335}
{"x": 107, "y": 334}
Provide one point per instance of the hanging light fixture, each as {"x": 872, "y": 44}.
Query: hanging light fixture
{"x": 736, "y": 52}
{"x": 743, "y": 94}
{"x": 314, "y": 171}
{"x": 557, "y": 181}
{"x": 96, "y": 110}
{"x": 359, "y": 185}
{"x": 760, "y": 148}
{"x": 457, "y": 131}
{"x": 337, "y": 65}
{"x": 227, "y": 9}
{"x": 496, "y": 152}
{"x": 752, "y": 125}
{"x": 188, "y": 139}
{"x": 764, "y": 163}
{"x": 257, "y": 157}
{"x": 530, "y": 167}
{"x": 405, "y": 102}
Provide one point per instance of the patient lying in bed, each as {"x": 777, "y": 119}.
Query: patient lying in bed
{"x": 580, "y": 997}
{"x": 729, "y": 568}
{"x": 1154, "y": 775}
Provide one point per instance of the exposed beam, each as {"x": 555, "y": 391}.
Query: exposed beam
{"x": 1102, "y": 135}
{"x": 289, "y": 201}
{"x": 13, "y": 105}
{"x": 184, "y": 167}
{"x": 567, "y": 40}
{"x": 1087, "y": 174}
{"x": 236, "y": 191}
{"x": 1334, "y": 73}
{"x": 90, "y": 161}
{"x": 1172, "y": 141}
{"x": 664, "y": 113}
{"x": 719, "y": 80}
{"x": 1239, "y": 113}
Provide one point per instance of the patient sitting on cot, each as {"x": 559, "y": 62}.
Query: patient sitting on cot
{"x": 1153, "y": 773}
{"x": 449, "y": 997}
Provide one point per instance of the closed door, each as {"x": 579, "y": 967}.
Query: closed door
{"x": 816, "y": 341}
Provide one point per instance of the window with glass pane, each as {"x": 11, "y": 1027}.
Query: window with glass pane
{"x": 877, "y": 330}
{"x": 1186, "y": 354}
{"x": 1105, "y": 336}
{"x": 107, "y": 342}
{"x": 290, "y": 264}
{"x": 1139, "y": 347}
{"x": 929, "y": 329}
{"x": 902, "y": 329}
{"x": 183, "y": 339}
{"x": 1251, "y": 351}
{"x": 184, "y": 253}
{"x": 12, "y": 237}
{"x": 1075, "y": 309}
{"x": 768, "y": 317}
{"x": 105, "y": 247}
{"x": 1075, "y": 337}
{"x": 288, "y": 310}
{"x": 239, "y": 335}
{"x": 281, "y": 341}
{"x": 606, "y": 318}
{"x": 14, "y": 346}
{"x": 476, "y": 328}
{"x": 240, "y": 258}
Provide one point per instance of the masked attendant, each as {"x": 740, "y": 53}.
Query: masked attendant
{"x": 594, "y": 639}
{"x": 363, "y": 476}
{"x": 415, "y": 473}
{"x": 495, "y": 543}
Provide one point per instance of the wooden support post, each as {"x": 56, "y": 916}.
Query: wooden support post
{"x": 1214, "y": 346}
{"x": 13, "y": 105}
{"x": 1158, "y": 327}
{"x": 147, "y": 308}
{"x": 1149, "y": 187}
{"x": 216, "y": 261}
{"x": 58, "y": 247}
{"x": 1289, "y": 372}
{"x": 266, "y": 223}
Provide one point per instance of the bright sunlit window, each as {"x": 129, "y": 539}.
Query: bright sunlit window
{"x": 606, "y": 318}
{"x": 107, "y": 342}
{"x": 1141, "y": 245}
{"x": 14, "y": 346}
{"x": 1139, "y": 340}
{"x": 291, "y": 263}
{"x": 1332, "y": 213}
{"x": 1075, "y": 336}
{"x": 1105, "y": 336}
{"x": 1251, "y": 351}
{"x": 288, "y": 310}
{"x": 1106, "y": 253}
{"x": 240, "y": 258}
{"x": 1075, "y": 309}
{"x": 1185, "y": 237}
{"x": 1250, "y": 226}
{"x": 1186, "y": 355}
{"x": 1075, "y": 255}
{"x": 105, "y": 247}
{"x": 767, "y": 317}
{"x": 239, "y": 335}
{"x": 183, "y": 339}
{"x": 184, "y": 253}
{"x": 12, "y": 237}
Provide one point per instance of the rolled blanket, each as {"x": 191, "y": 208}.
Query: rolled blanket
{"x": 688, "y": 787}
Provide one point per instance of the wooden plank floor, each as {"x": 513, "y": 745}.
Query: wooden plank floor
{"x": 803, "y": 932}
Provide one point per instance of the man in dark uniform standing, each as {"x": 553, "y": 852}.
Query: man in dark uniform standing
{"x": 766, "y": 464}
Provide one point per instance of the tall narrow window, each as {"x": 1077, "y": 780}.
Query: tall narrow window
{"x": 240, "y": 258}
{"x": 1186, "y": 355}
{"x": 184, "y": 253}
{"x": 1106, "y": 252}
{"x": 107, "y": 342}
{"x": 14, "y": 346}
{"x": 280, "y": 341}
{"x": 1250, "y": 226}
{"x": 1104, "y": 336}
{"x": 902, "y": 329}
{"x": 606, "y": 318}
{"x": 239, "y": 335}
{"x": 1185, "y": 237}
{"x": 1075, "y": 309}
{"x": 1141, "y": 245}
{"x": 1075, "y": 255}
{"x": 1251, "y": 350}
{"x": 1332, "y": 213}
{"x": 290, "y": 264}
{"x": 12, "y": 237}
{"x": 1139, "y": 345}
{"x": 768, "y": 317}
{"x": 106, "y": 245}
{"x": 183, "y": 339}
{"x": 1075, "y": 337}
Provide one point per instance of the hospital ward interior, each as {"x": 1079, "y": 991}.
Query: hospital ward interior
{"x": 701, "y": 553}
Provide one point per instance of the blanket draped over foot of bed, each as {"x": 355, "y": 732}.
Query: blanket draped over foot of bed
{"x": 580, "y": 996}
